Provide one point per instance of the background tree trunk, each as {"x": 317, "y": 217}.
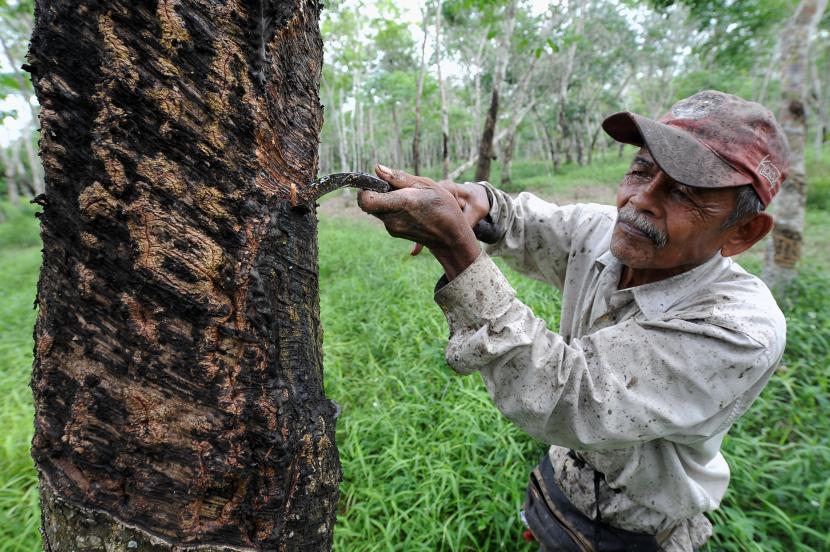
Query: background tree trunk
{"x": 520, "y": 110}
{"x": 486, "y": 147}
{"x": 20, "y": 79}
{"x": 549, "y": 142}
{"x": 445, "y": 121}
{"x": 784, "y": 249}
{"x": 178, "y": 367}
{"x": 398, "y": 144}
{"x": 416, "y": 135}
{"x": 819, "y": 94}
{"x": 8, "y": 154}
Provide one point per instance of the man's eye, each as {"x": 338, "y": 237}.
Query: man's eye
{"x": 681, "y": 193}
{"x": 639, "y": 174}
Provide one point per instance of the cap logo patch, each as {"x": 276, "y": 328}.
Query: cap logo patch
{"x": 696, "y": 107}
{"x": 769, "y": 171}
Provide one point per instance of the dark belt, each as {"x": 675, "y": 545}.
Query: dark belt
{"x": 558, "y": 525}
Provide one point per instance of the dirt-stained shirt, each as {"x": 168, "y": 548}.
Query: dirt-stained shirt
{"x": 643, "y": 383}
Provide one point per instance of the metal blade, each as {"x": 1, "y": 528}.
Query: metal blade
{"x": 331, "y": 182}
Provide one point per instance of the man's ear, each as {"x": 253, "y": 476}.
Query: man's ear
{"x": 747, "y": 233}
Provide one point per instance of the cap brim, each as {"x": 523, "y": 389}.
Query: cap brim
{"x": 677, "y": 152}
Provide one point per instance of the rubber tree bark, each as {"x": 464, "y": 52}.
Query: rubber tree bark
{"x": 521, "y": 107}
{"x": 486, "y": 148}
{"x": 563, "y": 140}
{"x": 416, "y": 135}
{"x": 178, "y": 367}
{"x": 549, "y": 141}
{"x": 442, "y": 87}
{"x": 397, "y": 149}
{"x": 25, "y": 92}
{"x": 784, "y": 249}
{"x": 7, "y": 155}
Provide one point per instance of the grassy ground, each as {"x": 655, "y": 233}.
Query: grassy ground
{"x": 428, "y": 463}
{"x": 19, "y": 265}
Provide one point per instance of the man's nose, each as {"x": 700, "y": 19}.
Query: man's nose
{"x": 649, "y": 198}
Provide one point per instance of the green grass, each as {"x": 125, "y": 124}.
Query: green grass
{"x": 19, "y": 265}
{"x": 428, "y": 462}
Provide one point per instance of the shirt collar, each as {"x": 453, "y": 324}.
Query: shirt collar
{"x": 656, "y": 298}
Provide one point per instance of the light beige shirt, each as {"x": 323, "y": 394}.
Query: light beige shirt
{"x": 643, "y": 382}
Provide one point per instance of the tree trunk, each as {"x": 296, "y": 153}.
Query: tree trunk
{"x": 548, "y": 140}
{"x": 339, "y": 128}
{"x": 592, "y": 147}
{"x": 820, "y": 94}
{"x": 34, "y": 162}
{"x": 8, "y": 154}
{"x": 456, "y": 172}
{"x": 510, "y": 144}
{"x": 563, "y": 145}
{"x": 373, "y": 153}
{"x": 445, "y": 121}
{"x": 579, "y": 141}
{"x": 562, "y": 140}
{"x": 507, "y": 160}
{"x": 784, "y": 249}
{"x": 486, "y": 148}
{"x": 343, "y": 144}
{"x": 398, "y": 144}
{"x": 772, "y": 64}
{"x": 416, "y": 135}
{"x": 357, "y": 127}
{"x": 178, "y": 367}
{"x": 477, "y": 79}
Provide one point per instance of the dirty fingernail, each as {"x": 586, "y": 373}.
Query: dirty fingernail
{"x": 385, "y": 169}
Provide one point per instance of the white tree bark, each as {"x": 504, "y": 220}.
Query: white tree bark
{"x": 478, "y": 64}
{"x": 8, "y": 154}
{"x": 522, "y": 107}
{"x": 34, "y": 162}
{"x": 784, "y": 249}
{"x": 339, "y": 127}
{"x": 820, "y": 106}
{"x": 564, "y": 81}
{"x": 397, "y": 145}
{"x": 487, "y": 144}
{"x": 445, "y": 118}
{"x": 416, "y": 137}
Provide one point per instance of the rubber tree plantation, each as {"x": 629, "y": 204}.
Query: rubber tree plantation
{"x": 178, "y": 370}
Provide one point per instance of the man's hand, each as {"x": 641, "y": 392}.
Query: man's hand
{"x": 472, "y": 199}
{"x": 429, "y": 213}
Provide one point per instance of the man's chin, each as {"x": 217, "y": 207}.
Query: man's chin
{"x": 632, "y": 255}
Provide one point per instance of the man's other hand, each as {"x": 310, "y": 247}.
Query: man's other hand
{"x": 472, "y": 199}
{"x": 429, "y": 213}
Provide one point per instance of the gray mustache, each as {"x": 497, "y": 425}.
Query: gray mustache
{"x": 630, "y": 215}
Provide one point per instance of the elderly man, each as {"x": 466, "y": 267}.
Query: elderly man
{"x": 664, "y": 341}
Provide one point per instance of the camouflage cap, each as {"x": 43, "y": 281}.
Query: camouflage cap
{"x": 711, "y": 140}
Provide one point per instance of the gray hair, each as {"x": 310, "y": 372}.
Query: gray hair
{"x": 747, "y": 203}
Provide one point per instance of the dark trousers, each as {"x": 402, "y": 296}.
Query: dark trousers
{"x": 559, "y": 526}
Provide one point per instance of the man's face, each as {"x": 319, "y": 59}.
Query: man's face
{"x": 662, "y": 224}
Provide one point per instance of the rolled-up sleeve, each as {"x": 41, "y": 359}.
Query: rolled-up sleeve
{"x": 632, "y": 382}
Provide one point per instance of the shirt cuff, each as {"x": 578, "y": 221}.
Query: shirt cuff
{"x": 493, "y": 213}
{"x": 479, "y": 294}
